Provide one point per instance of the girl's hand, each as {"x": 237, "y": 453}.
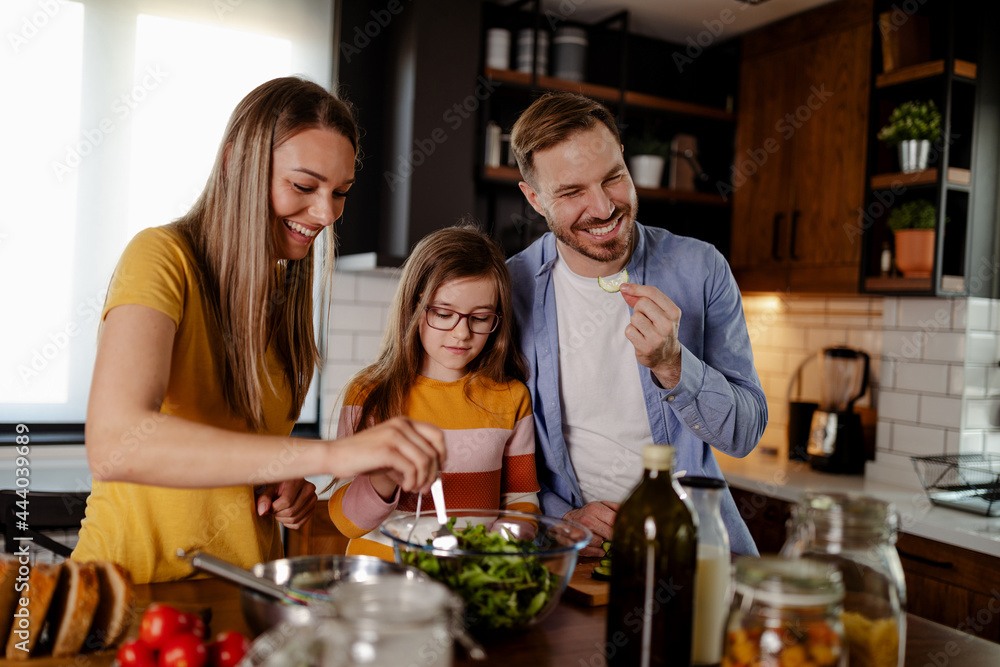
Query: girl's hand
{"x": 409, "y": 452}
{"x": 291, "y": 502}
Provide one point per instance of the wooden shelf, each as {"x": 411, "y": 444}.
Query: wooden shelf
{"x": 609, "y": 94}
{"x": 899, "y": 284}
{"x": 956, "y": 176}
{"x": 513, "y": 175}
{"x": 682, "y": 196}
{"x": 925, "y": 70}
{"x": 880, "y": 284}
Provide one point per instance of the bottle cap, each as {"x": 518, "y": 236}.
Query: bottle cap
{"x": 657, "y": 457}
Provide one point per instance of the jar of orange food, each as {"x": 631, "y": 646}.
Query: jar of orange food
{"x": 785, "y": 613}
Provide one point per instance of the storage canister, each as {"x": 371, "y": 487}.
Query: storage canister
{"x": 525, "y": 51}
{"x": 858, "y": 535}
{"x": 569, "y": 53}
{"x": 498, "y": 48}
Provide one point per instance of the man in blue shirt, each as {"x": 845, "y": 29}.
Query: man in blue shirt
{"x": 666, "y": 360}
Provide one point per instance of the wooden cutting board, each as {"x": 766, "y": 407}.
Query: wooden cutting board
{"x": 583, "y": 588}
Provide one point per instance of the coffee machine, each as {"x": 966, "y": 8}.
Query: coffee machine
{"x": 836, "y": 442}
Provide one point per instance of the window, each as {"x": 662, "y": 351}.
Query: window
{"x": 113, "y": 113}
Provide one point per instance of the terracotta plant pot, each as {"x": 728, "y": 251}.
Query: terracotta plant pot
{"x": 915, "y": 252}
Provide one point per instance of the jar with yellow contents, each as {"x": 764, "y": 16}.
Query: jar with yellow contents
{"x": 785, "y": 613}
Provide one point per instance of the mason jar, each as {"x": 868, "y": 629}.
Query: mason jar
{"x": 858, "y": 535}
{"x": 785, "y": 612}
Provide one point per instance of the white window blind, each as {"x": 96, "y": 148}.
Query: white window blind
{"x": 113, "y": 111}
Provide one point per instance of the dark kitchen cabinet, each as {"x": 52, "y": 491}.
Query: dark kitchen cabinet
{"x": 798, "y": 174}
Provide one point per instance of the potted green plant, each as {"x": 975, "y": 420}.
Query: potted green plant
{"x": 648, "y": 157}
{"x": 912, "y": 126}
{"x": 912, "y": 224}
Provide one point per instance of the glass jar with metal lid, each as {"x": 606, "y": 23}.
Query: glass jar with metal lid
{"x": 785, "y": 612}
{"x": 857, "y": 534}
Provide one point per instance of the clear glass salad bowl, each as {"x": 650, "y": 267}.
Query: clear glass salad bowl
{"x": 510, "y": 567}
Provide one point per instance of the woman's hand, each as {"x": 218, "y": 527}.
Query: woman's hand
{"x": 408, "y": 452}
{"x": 291, "y": 502}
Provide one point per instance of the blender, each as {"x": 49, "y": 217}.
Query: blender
{"x": 836, "y": 442}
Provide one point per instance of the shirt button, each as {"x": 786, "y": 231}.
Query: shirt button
{"x": 670, "y": 399}
{"x": 697, "y": 426}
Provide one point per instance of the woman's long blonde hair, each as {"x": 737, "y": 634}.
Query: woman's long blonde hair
{"x": 253, "y": 299}
{"x": 462, "y": 251}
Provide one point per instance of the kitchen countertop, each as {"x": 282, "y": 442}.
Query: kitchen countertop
{"x": 786, "y": 480}
{"x": 571, "y": 635}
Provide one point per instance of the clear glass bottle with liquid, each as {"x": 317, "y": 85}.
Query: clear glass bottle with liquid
{"x": 712, "y": 589}
{"x": 654, "y": 555}
{"x": 857, "y": 534}
{"x": 785, "y": 612}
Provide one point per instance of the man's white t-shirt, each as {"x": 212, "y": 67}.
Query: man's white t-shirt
{"x": 603, "y": 409}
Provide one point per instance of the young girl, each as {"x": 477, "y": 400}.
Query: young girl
{"x": 207, "y": 349}
{"x": 448, "y": 358}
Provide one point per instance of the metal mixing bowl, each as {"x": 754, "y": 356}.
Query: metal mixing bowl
{"x": 312, "y": 573}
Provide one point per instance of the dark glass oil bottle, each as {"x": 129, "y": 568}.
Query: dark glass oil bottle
{"x": 654, "y": 552}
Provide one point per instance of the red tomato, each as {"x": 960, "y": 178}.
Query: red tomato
{"x": 228, "y": 649}
{"x": 183, "y": 651}
{"x": 159, "y": 623}
{"x": 136, "y": 653}
{"x": 194, "y": 624}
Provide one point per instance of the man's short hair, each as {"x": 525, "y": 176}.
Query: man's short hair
{"x": 550, "y": 120}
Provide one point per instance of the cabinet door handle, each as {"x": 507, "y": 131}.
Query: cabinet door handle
{"x": 943, "y": 564}
{"x": 793, "y": 234}
{"x": 775, "y": 241}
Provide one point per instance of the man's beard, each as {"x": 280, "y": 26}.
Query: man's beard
{"x": 604, "y": 251}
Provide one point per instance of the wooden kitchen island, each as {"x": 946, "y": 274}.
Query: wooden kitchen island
{"x": 572, "y": 636}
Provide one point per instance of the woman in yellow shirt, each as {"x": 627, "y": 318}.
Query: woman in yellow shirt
{"x": 207, "y": 350}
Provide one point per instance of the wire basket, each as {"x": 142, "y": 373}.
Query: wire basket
{"x": 968, "y": 482}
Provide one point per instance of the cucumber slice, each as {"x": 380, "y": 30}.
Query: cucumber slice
{"x": 613, "y": 283}
{"x": 601, "y": 573}
{"x": 606, "y": 545}
{"x": 605, "y": 562}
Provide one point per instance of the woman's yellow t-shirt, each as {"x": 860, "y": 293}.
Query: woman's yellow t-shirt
{"x": 141, "y": 527}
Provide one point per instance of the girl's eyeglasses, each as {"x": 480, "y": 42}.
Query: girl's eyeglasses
{"x": 444, "y": 319}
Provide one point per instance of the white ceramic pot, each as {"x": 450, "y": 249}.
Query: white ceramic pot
{"x": 913, "y": 154}
{"x": 647, "y": 170}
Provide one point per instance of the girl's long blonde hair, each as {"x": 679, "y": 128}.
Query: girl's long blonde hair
{"x": 253, "y": 299}
{"x": 462, "y": 251}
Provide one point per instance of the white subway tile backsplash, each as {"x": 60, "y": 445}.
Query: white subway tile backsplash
{"x": 941, "y": 411}
{"x": 883, "y": 434}
{"x": 921, "y": 377}
{"x": 796, "y": 304}
{"x": 982, "y": 413}
{"x": 977, "y": 313}
{"x": 902, "y": 344}
{"x": 819, "y": 338}
{"x": 887, "y": 377}
{"x": 366, "y": 348}
{"x": 349, "y": 317}
{"x": 866, "y": 340}
{"x": 992, "y": 381}
{"x": 377, "y": 288}
{"x": 966, "y": 442}
{"x": 343, "y": 287}
{"x": 944, "y": 346}
{"x": 960, "y": 314}
{"x": 992, "y": 442}
{"x": 924, "y": 313}
{"x": 981, "y": 347}
{"x": 972, "y": 379}
{"x": 788, "y": 338}
{"x": 917, "y": 440}
{"x": 890, "y": 311}
{"x": 847, "y": 321}
{"x": 894, "y": 405}
{"x": 339, "y": 347}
